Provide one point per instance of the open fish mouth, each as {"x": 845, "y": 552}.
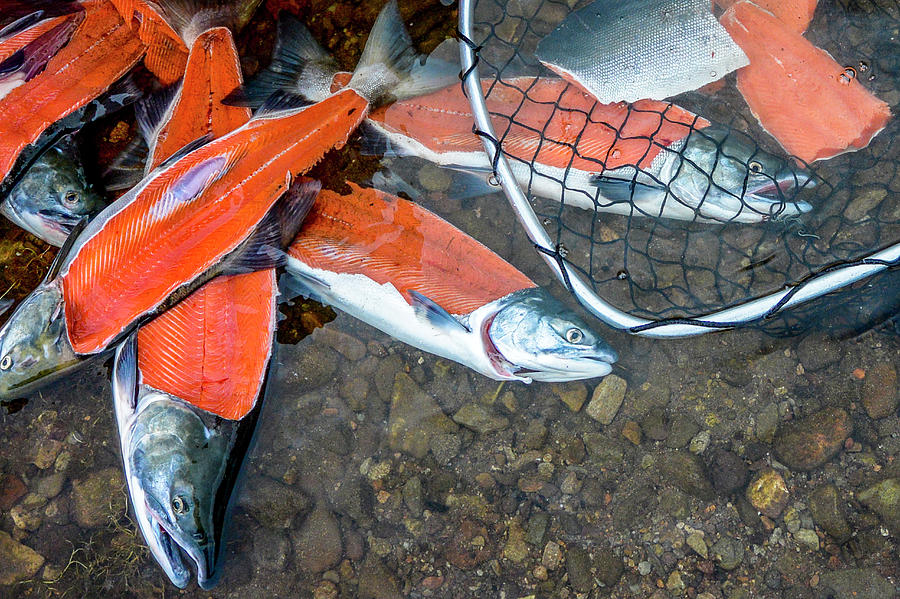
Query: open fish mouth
{"x": 173, "y": 556}
{"x": 782, "y": 189}
{"x": 583, "y": 367}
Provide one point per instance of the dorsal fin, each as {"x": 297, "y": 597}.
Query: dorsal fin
{"x": 65, "y": 250}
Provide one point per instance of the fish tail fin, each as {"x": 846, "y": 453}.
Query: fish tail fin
{"x": 300, "y": 66}
{"x": 264, "y": 248}
{"x": 190, "y": 18}
{"x": 388, "y": 59}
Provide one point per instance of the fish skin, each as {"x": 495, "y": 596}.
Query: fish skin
{"x": 100, "y": 52}
{"x": 794, "y": 89}
{"x": 13, "y": 44}
{"x": 53, "y": 195}
{"x": 629, "y": 50}
{"x": 167, "y": 53}
{"x": 30, "y": 59}
{"x": 549, "y": 138}
{"x": 374, "y": 256}
{"x": 181, "y": 469}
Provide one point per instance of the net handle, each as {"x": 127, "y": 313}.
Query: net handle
{"x": 826, "y": 281}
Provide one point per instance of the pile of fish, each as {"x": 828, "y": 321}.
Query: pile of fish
{"x": 177, "y": 277}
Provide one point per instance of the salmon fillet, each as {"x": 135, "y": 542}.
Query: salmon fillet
{"x": 795, "y": 14}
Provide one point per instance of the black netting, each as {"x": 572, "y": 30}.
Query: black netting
{"x": 703, "y": 261}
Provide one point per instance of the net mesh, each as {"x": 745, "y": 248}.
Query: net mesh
{"x": 662, "y": 268}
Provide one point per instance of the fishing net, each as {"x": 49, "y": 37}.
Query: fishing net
{"x": 661, "y": 277}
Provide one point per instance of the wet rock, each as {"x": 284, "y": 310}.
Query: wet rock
{"x": 325, "y": 590}
{"x": 17, "y": 562}
{"x": 444, "y": 447}
{"x": 727, "y": 471}
{"x": 552, "y": 555}
{"x": 385, "y": 375}
{"x": 50, "y": 486}
{"x": 27, "y": 514}
{"x": 607, "y": 452}
{"x": 515, "y": 549}
{"x": 375, "y": 582}
{"x": 571, "y": 394}
{"x": 317, "y": 544}
{"x": 674, "y": 583}
{"x": 696, "y": 542}
{"x": 271, "y": 549}
{"x": 768, "y": 492}
{"x": 45, "y": 453}
{"x": 685, "y": 471}
{"x": 272, "y": 503}
{"x": 535, "y": 435}
{"x": 415, "y": 418}
{"x": 412, "y": 496}
{"x": 810, "y": 442}
{"x": 606, "y": 399}
{"x": 884, "y": 499}
{"x": 681, "y": 430}
{"x": 879, "y": 393}
{"x": 816, "y": 353}
{"x": 728, "y": 552}
{"x": 314, "y": 368}
{"x": 11, "y": 489}
{"x": 578, "y": 566}
{"x": 855, "y": 583}
{"x": 807, "y": 537}
{"x": 654, "y": 425}
{"x": 827, "y": 513}
{"x": 348, "y": 346}
{"x": 767, "y": 423}
{"x": 98, "y": 497}
{"x": 700, "y": 442}
{"x": 537, "y": 528}
{"x": 608, "y": 566}
{"x": 631, "y": 430}
{"x": 674, "y": 503}
{"x": 480, "y": 419}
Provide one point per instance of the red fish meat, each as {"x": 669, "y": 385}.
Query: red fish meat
{"x": 795, "y": 14}
{"x": 799, "y": 94}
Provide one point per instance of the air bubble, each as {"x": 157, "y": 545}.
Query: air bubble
{"x": 847, "y": 75}
{"x": 562, "y": 250}
{"x": 616, "y": 153}
{"x": 863, "y": 66}
{"x": 622, "y": 275}
{"x": 546, "y": 222}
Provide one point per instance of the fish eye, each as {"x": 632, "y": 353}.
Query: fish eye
{"x": 574, "y": 335}
{"x": 71, "y": 198}
{"x": 179, "y": 505}
{"x": 755, "y": 167}
{"x": 6, "y": 362}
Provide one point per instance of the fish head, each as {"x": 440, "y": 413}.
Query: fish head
{"x": 175, "y": 465}
{"x": 725, "y": 175}
{"x": 538, "y": 338}
{"x": 34, "y": 344}
{"x": 53, "y": 195}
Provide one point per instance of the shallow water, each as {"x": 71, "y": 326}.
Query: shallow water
{"x": 382, "y": 472}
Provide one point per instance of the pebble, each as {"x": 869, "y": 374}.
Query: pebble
{"x": 654, "y": 425}
{"x": 444, "y": 447}
{"x": 27, "y": 514}
{"x": 412, "y": 496}
{"x": 609, "y": 566}
{"x": 684, "y": 471}
{"x": 644, "y": 568}
{"x": 700, "y": 442}
{"x": 815, "y": 353}
{"x": 375, "y": 582}
{"x": 632, "y": 431}
{"x": 271, "y": 548}
{"x": 572, "y": 394}
{"x": 515, "y": 549}
{"x": 810, "y": 442}
{"x": 696, "y": 542}
{"x": 827, "y": 513}
{"x": 552, "y": 555}
{"x": 50, "y": 486}
{"x": 681, "y": 430}
{"x": 879, "y": 392}
{"x": 674, "y": 583}
{"x": 537, "y": 528}
{"x": 768, "y": 492}
{"x": 606, "y": 452}
{"x": 606, "y": 399}
{"x": 45, "y": 453}
{"x": 728, "y": 552}
{"x": 578, "y": 566}
{"x": 347, "y": 345}
{"x": 415, "y": 418}
{"x": 18, "y": 562}
{"x": 727, "y": 471}
{"x": 807, "y": 537}
{"x": 854, "y": 583}
{"x": 11, "y": 489}
{"x": 271, "y": 503}
{"x": 480, "y": 419}
{"x": 535, "y": 435}
{"x": 97, "y": 497}
{"x": 317, "y": 544}
{"x": 767, "y": 423}
{"x": 884, "y": 499}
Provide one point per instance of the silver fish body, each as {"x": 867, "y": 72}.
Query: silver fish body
{"x": 636, "y": 49}
{"x": 181, "y": 469}
{"x": 53, "y": 195}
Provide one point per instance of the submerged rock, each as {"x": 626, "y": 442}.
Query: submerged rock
{"x": 685, "y": 471}
{"x": 17, "y": 561}
{"x": 728, "y": 552}
{"x": 415, "y": 418}
{"x": 578, "y": 566}
{"x": 825, "y": 505}
{"x": 479, "y": 418}
{"x": 855, "y": 583}
{"x": 98, "y": 497}
{"x": 317, "y": 544}
{"x": 810, "y": 442}
{"x": 727, "y": 471}
{"x": 879, "y": 393}
{"x": 607, "y": 399}
{"x": 768, "y": 493}
{"x": 884, "y": 499}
